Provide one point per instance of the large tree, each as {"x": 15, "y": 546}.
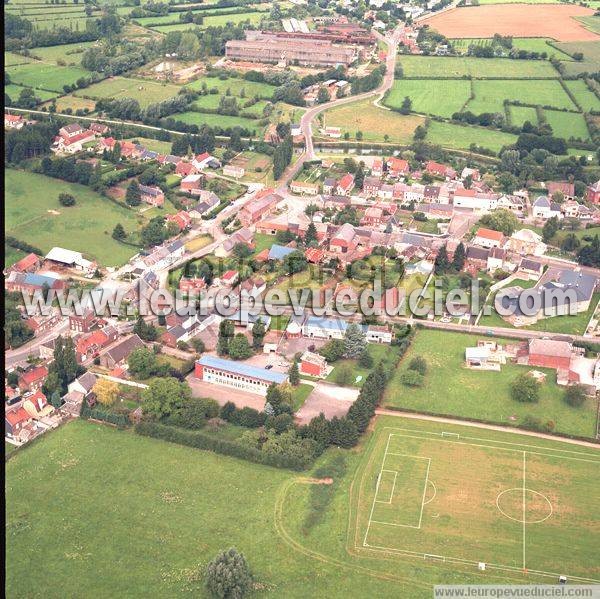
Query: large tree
{"x": 133, "y": 196}
{"x": 165, "y": 396}
{"x": 228, "y": 575}
{"x": 355, "y": 341}
{"x": 226, "y": 332}
{"x": 142, "y": 362}
{"x": 106, "y": 391}
{"x": 458, "y": 260}
{"x": 240, "y": 348}
{"x": 525, "y": 389}
{"x": 258, "y": 333}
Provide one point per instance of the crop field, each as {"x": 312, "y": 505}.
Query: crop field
{"x": 235, "y": 86}
{"x": 556, "y": 21}
{"x": 567, "y": 124}
{"x": 44, "y": 76}
{"x": 74, "y": 103}
{"x": 461, "y": 497}
{"x": 431, "y": 96}
{"x": 458, "y": 137}
{"x": 591, "y": 57}
{"x": 490, "y": 95}
{"x": 520, "y": 114}
{"x": 591, "y": 22}
{"x": 220, "y": 120}
{"x": 374, "y": 122}
{"x": 33, "y": 214}
{"x": 455, "y": 67}
{"x": 587, "y": 99}
{"x": 452, "y": 389}
{"x": 144, "y": 91}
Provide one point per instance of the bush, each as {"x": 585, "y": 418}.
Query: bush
{"x": 418, "y": 364}
{"x": 575, "y": 395}
{"x": 411, "y": 378}
{"x": 228, "y": 575}
{"x": 344, "y": 375}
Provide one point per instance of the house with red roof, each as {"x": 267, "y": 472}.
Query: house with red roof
{"x": 182, "y": 219}
{"x": 488, "y": 238}
{"x": 33, "y": 378}
{"x": 567, "y": 188}
{"x": 191, "y": 285}
{"x": 106, "y": 143}
{"x": 230, "y": 278}
{"x": 345, "y": 185}
{"x": 90, "y": 345}
{"x": 343, "y": 241}
{"x": 397, "y": 167}
{"x": 201, "y": 160}
{"x": 185, "y": 168}
{"x": 37, "y": 406}
{"x": 29, "y": 263}
{"x": 15, "y": 423}
{"x": 128, "y": 149}
{"x": 440, "y": 170}
{"x": 314, "y": 255}
{"x": 13, "y": 121}
{"x": 377, "y": 167}
{"x": 262, "y": 203}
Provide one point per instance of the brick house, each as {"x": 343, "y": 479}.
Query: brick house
{"x": 592, "y": 193}
{"x": 263, "y": 203}
{"x": 488, "y": 238}
{"x": 192, "y": 183}
{"x": 397, "y": 167}
{"x": 82, "y": 323}
{"x": 29, "y": 263}
{"x": 152, "y": 195}
{"x": 118, "y": 354}
{"x": 313, "y": 364}
{"x": 345, "y": 185}
{"x": 546, "y": 353}
{"x": 33, "y": 379}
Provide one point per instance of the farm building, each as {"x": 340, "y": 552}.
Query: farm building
{"x": 313, "y": 364}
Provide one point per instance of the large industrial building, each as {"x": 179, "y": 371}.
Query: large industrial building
{"x": 238, "y": 375}
{"x": 266, "y": 47}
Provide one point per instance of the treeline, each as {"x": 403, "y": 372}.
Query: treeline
{"x": 369, "y": 82}
{"x": 28, "y": 142}
{"x": 202, "y": 440}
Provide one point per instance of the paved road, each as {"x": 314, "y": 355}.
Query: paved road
{"x": 491, "y": 427}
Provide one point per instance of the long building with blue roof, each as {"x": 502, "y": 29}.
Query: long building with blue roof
{"x": 238, "y": 375}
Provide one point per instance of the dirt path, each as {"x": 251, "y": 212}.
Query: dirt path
{"x": 491, "y": 427}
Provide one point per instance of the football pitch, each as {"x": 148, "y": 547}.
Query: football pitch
{"x": 484, "y": 504}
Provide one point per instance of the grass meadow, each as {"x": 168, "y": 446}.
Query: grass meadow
{"x": 458, "y": 137}
{"x": 144, "y": 91}
{"x": 586, "y": 98}
{"x": 454, "y": 390}
{"x": 200, "y": 118}
{"x": 85, "y": 227}
{"x": 490, "y": 95}
{"x": 235, "y": 87}
{"x": 375, "y": 123}
{"x": 567, "y": 124}
{"x": 431, "y": 96}
{"x": 45, "y": 76}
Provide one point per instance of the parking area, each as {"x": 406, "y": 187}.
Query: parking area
{"x": 330, "y": 399}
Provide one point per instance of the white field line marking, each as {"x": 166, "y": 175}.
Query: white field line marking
{"x": 407, "y": 455}
{"x": 446, "y": 434}
{"x": 526, "y": 445}
{"x": 389, "y": 501}
{"x": 376, "y": 491}
{"x": 549, "y": 455}
{"x": 524, "y": 503}
{"x": 458, "y": 560}
{"x": 424, "y": 492}
{"x": 394, "y": 524}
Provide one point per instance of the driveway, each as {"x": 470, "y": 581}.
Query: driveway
{"x": 330, "y": 399}
{"x": 222, "y": 394}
